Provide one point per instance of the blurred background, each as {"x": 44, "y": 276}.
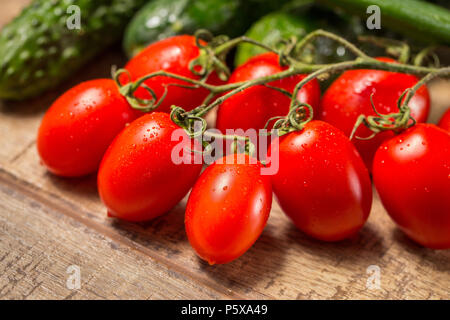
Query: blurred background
{"x": 117, "y": 30}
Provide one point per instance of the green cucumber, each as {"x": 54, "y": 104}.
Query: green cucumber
{"x": 273, "y": 27}
{"x": 416, "y": 19}
{"x": 270, "y": 29}
{"x": 160, "y": 19}
{"x": 38, "y": 51}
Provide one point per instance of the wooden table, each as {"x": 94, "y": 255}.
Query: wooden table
{"x": 48, "y": 224}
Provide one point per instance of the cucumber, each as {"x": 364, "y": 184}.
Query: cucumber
{"x": 273, "y": 27}
{"x": 416, "y": 19}
{"x": 270, "y": 29}
{"x": 38, "y": 51}
{"x": 160, "y": 19}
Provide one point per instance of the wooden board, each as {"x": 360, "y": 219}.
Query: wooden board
{"x": 48, "y": 224}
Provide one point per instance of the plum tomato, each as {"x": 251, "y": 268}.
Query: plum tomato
{"x": 444, "y": 123}
{"x": 228, "y": 208}
{"x": 349, "y": 96}
{"x": 322, "y": 183}
{"x": 80, "y": 125}
{"x": 252, "y": 107}
{"x": 411, "y": 172}
{"x": 172, "y": 55}
{"x": 138, "y": 178}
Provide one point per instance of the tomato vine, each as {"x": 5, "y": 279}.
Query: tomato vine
{"x": 213, "y": 52}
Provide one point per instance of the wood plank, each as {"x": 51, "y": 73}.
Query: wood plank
{"x": 48, "y": 223}
{"x": 10, "y": 9}
{"x": 440, "y": 99}
{"x": 38, "y": 244}
{"x": 282, "y": 264}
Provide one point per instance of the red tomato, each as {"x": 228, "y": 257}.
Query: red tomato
{"x": 349, "y": 96}
{"x": 444, "y": 123}
{"x": 228, "y": 209}
{"x": 172, "y": 55}
{"x": 79, "y": 126}
{"x": 412, "y": 175}
{"x": 138, "y": 179}
{"x": 254, "y": 106}
{"x": 322, "y": 183}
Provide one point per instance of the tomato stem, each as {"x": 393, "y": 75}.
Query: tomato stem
{"x": 393, "y": 47}
{"x": 212, "y": 57}
{"x": 395, "y": 121}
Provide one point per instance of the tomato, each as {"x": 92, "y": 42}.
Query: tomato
{"x": 411, "y": 173}
{"x": 138, "y": 179}
{"x": 252, "y": 107}
{"x": 78, "y": 128}
{"x": 228, "y": 209}
{"x": 444, "y": 123}
{"x": 349, "y": 96}
{"x": 322, "y": 183}
{"x": 172, "y": 55}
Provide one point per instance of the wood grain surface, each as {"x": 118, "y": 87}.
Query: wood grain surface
{"x": 48, "y": 224}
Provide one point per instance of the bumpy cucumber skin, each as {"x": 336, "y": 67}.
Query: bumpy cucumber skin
{"x": 160, "y": 19}
{"x": 38, "y": 51}
{"x": 419, "y": 20}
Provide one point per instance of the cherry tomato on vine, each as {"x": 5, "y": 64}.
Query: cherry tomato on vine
{"x": 139, "y": 178}
{"x": 411, "y": 172}
{"x": 444, "y": 123}
{"x": 172, "y": 55}
{"x": 78, "y": 128}
{"x": 228, "y": 208}
{"x": 349, "y": 96}
{"x": 252, "y": 107}
{"x": 322, "y": 183}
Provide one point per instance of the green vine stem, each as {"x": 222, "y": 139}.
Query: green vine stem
{"x": 188, "y": 123}
{"x": 395, "y": 121}
{"x": 212, "y": 59}
{"x": 296, "y": 119}
{"x": 309, "y": 38}
{"x": 433, "y": 75}
{"x": 422, "y": 55}
{"x": 393, "y": 47}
